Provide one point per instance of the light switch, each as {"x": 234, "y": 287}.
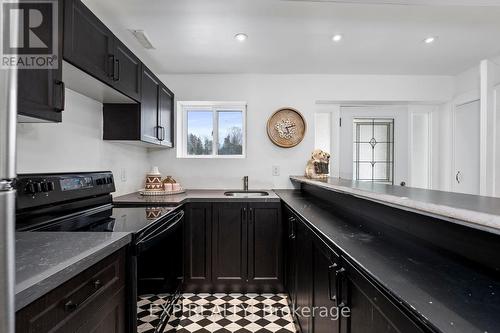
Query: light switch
{"x": 276, "y": 170}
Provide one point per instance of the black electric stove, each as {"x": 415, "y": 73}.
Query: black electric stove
{"x": 82, "y": 202}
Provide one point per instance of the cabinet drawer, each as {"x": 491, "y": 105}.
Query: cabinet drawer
{"x": 71, "y": 305}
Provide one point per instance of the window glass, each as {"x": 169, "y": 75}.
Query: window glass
{"x": 230, "y": 138}
{"x": 199, "y": 132}
{"x": 373, "y": 149}
{"x": 211, "y": 129}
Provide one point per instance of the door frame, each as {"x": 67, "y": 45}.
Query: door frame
{"x": 398, "y": 121}
{"x": 496, "y": 129}
{"x": 430, "y": 152}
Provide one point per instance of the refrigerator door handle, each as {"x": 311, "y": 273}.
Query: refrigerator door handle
{"x": 8, "y": 123}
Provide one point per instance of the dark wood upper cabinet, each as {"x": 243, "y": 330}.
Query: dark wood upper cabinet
{"x": 166, "y": 116}
{"x": 265, "y": 254}
{"x": 229, "y": 246}
{"x": 41, "y": 91}
{"x": 88, "y": 43}
{"x": 150, "y": 131}
{"x": 127, "y": 71}
{"x": 198, "y": 248}
{"x": 149, "y": 122}
{"x": 138, "y": 106}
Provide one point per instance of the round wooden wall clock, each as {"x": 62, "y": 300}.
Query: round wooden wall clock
{"x": 286, "y": 127}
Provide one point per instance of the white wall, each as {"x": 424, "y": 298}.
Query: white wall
{"x": 266, "y": 93}
{"x": 76, "y": 145}
{"x": 490, "y": 78}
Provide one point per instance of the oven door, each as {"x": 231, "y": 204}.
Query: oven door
{"x": 160, "y": 257}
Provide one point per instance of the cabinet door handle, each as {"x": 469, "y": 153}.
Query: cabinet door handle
{"x": 111, "y": 66}
{"x": 330, "y": 277}
{"x": 71, "y": 306}
{"x": 244, "y": 214}
{"x": 159, "y": 133}
{"x": 62, "y": 100}
{"x": 339, "y": 276}
{"x": 291, "y": 227}
{"x": 457, "y": 177}
{"x": 116, "y": 70}
{"x": 250, "y": 214}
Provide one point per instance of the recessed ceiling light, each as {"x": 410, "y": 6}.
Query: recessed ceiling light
{"x": 430, "y": 40}
{"x": 337, "y": 37}
{"x": 241, "y": 37}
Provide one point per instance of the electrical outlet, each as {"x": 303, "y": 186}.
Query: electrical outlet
{"x": 123, "y": 174}
{"x": 276, "y": 170}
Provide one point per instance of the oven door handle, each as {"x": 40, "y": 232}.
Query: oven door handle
{"x": 154, "y": 233}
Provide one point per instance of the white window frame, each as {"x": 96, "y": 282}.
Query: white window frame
{"x": 215, "y": 107}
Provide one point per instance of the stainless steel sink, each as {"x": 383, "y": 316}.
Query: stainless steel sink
{"x": 246, "y": 194}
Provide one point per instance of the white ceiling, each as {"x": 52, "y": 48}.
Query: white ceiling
{"x": 196, "y": 36}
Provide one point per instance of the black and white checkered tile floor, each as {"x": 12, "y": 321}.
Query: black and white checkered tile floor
{"x": 223, "y": 313}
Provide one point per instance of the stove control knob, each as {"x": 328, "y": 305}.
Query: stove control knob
{"x": 30, "y": 188}
{"x": 45, "y": 187}
{"x": 38, "y": 187}
{"x": 98, "y": 181}
{"x": 110, "y": 180}
{"x": 50, "y": 186}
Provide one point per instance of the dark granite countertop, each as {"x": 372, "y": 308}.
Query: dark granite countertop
{"x": 475, "y": 211}
{"x": 441, "y": 290}
{"x": 190, "y": 196}
{"x": 45, "y": 260}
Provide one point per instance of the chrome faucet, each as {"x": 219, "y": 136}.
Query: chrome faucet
{"x": 245, "y": 183}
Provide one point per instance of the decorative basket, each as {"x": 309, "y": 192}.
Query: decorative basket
{"x": 152, "y": 193}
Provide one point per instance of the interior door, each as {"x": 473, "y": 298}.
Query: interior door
{"x": 466, "y": 136}
{"x": 400, "y": 116}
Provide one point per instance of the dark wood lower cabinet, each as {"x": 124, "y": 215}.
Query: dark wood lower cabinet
{"x": 233, "y": 247}
{"x": 229, "y": 246}
{"x": 370, "y": 310}
{"x": 92, "y": 302}
{"x": 265, "y": 249}
{"x": 198, "y": 248}
{"x": 318, "y": 277}
{"x": 326, "y": 263}
{"x": 304, "y": 277}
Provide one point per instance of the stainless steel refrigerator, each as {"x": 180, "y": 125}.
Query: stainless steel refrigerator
{"x": 8, "y": 120}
